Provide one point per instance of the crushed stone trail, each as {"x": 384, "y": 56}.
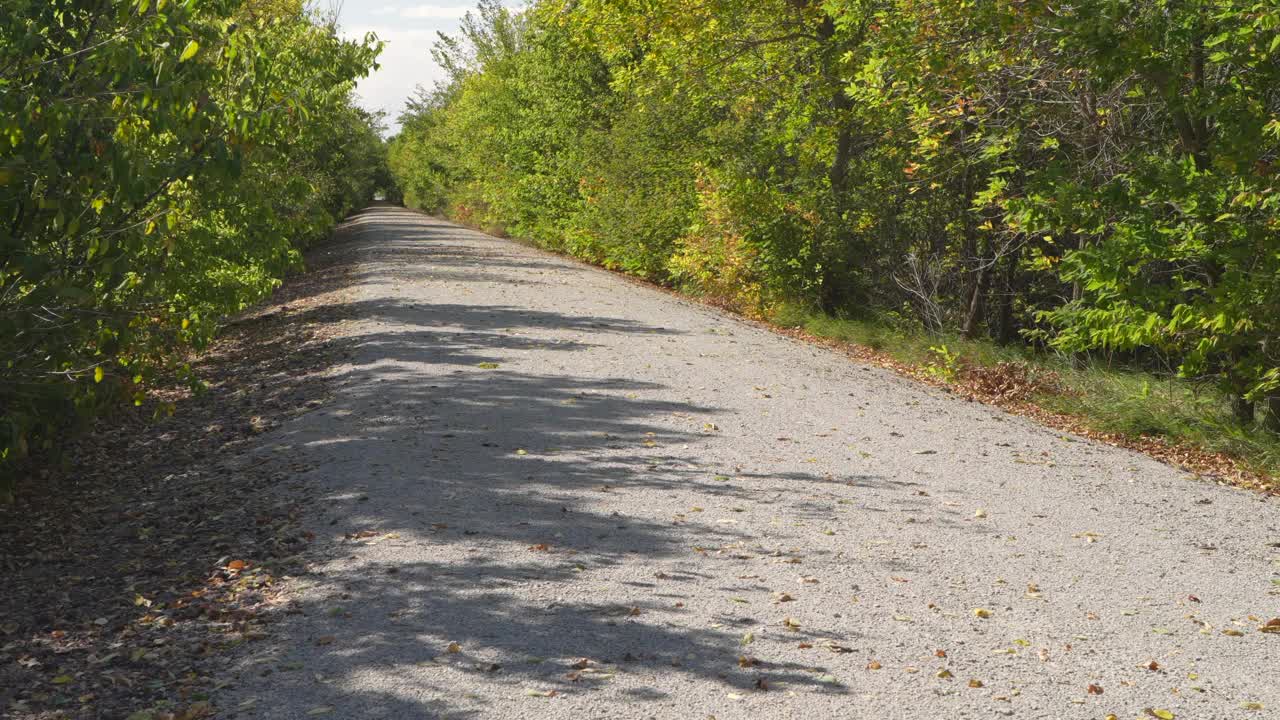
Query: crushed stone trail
{"x": 550, "y": 492}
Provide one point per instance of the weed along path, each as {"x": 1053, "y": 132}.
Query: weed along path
{"x": 549, "y": 492}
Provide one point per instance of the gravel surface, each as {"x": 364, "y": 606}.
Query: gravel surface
{"x": 551, "y": 492}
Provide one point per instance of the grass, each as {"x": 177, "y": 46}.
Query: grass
{"x": 1105, "y": 399}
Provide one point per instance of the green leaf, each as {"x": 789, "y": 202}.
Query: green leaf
{"x": 98, "y": 374}
{"x": 189, "y": 52}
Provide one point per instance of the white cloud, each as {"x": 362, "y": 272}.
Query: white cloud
{"x": 410, "y": 30}
{"x": 438, "y": 12}
{"x": 405, "y": 63}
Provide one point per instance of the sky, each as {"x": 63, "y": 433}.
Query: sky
{"x": 409, "y": 29}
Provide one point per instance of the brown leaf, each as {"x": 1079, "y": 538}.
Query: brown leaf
{"x": 1153, "y": 666}
{"x": 874, "y": 665}
{"x": 975, "y": 683}
{"x": 747, "y": 661}
{"x": 237, "y": 565}
{"x": 1095, "y": 690}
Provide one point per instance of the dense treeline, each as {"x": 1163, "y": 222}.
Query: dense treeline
{"x": 1089, "y": 175}
{"x": 162, "y": 164}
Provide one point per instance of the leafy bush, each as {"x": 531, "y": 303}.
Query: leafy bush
{"x": 161, "y": 165}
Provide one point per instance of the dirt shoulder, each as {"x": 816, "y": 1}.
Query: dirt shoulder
{"x": 153, "y": 547}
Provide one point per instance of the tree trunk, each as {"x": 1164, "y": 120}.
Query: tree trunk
{"x": 1242, "y": 410}
{"x": 834, "y": 294}
{"x": 1271, "y": 413}
{"x": 1005, "y": 332}
{"x": 973, "y": 318}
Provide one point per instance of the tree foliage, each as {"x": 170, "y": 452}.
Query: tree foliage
{"x": 1088, "y": 175}
{"x": 162, "y": 164}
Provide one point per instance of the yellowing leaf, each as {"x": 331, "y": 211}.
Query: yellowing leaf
{"x": 1162, "y": 714}
{"x": 189, "y": 51}
{"x": 62, "y": 680}
{"x": 982, "y": 613}
{"x": 98, "y": 374}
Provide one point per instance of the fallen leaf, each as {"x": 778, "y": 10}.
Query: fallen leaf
{"x": 747, "y": 661}
{"x": 325, "y": 640}
{"x": 1153, "y": 666}
{"x": 62, "y": 680}
{"x": 236, "y": 565}
{"x": 320, "y": 710}
{"x": 874, "y": 665}
{"x": 945, "y": 674}
{"x": 1095, "y": 690}
{"x": 1232, "y": 632}
{"x": 982, "y": 613}
{"x": 975, "y": 683}
{"x": 487, "y": 365}
{"x": 980, "y": 513}
{"x": 453, "y": 648}
{"x": 540, "y": 693}
{"x": 1162, "y": 714}
{"x": 1252, "y": 706}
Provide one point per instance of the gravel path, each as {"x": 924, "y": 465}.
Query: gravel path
{"x": 550, "y": 492}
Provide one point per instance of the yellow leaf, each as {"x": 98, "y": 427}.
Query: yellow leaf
{"x": 98, "y": 374}
{"x": 1162, "y": 714}
{"x": 190, "y": 51}
{"x": 982, "y": 613}
{"x": 61, "y": 680}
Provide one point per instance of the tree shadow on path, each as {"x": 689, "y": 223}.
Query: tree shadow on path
{"x": 476, "y": 514}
